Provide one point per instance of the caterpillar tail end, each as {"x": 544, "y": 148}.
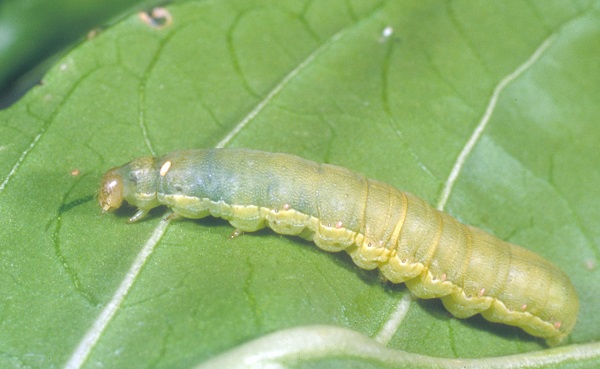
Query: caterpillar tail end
{"x": 556, "y": 341}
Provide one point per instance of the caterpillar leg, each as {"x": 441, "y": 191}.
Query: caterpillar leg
{"x": 138, "y": 215}
{"x": 236, "y": 233}
{"x": 173, "y": 216}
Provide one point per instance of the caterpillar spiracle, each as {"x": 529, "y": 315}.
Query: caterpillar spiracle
{"x": 379, "y": 226}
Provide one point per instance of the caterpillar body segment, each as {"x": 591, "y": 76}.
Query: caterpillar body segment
{"x": 378, "y": 225}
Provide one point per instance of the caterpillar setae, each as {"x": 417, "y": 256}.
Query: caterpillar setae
{"x": 378, "y": 225}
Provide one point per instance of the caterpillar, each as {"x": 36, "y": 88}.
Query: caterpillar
{"x": 410, "y": 241}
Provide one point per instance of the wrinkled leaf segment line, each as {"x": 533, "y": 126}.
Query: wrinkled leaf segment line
{"x": 385, "y": 71}
{"x": 277, "y": 89}
{"x": 468, "y": 148}
{"x": 44, "y": 127}
{"x": 235, "y": 60}
{"x": 142, "y": 87}
{"x": 62, "y": 260}
{"x": 20, "y": 161}
{"x": 314, "y": 342}
{"x": 393, "y": 324}
{"x": 92, "y": 336}
{"x": 142, "y": 118}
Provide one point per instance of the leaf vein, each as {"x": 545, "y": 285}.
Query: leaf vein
{"x": 483, "y": 122}
{"x": 92, "y": 336}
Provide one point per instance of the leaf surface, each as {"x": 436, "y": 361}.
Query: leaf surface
{"x": 488, "y": 111}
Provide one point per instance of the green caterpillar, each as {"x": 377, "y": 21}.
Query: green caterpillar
{"x": 379, "y": 226}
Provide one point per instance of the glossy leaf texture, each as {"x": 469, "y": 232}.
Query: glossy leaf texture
{"x": 488, "y": 111}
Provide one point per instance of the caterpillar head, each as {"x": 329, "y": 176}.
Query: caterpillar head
{"x": 110, "y": 195}
{"x": 135, "y": 183}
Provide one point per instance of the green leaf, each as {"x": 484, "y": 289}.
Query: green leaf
{"x": 488, "y": 110}
{"x": 33, "y": 32}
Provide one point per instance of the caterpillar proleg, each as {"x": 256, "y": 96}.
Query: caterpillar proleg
{"x": 379, "y": 226}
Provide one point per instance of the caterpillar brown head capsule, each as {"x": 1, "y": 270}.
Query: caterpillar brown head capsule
{"x": 379, "y": 226}
{"x": 110, "y": 195}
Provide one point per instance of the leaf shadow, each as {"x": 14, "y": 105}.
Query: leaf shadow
{"x": 436, "y": 310}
